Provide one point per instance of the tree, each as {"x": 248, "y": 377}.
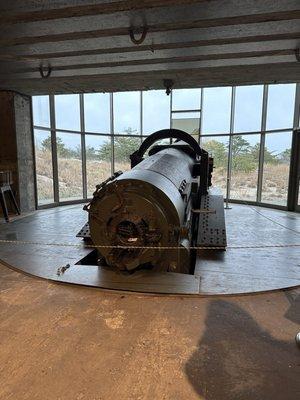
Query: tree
{"x": 218, "y": 152}
{"x": 60, "y": 146}
{"x": 123, "y": 147}
{"x": 91, "y": 153}
{"x": 239, "y": 146}
{"x": 104, "y": 153}
{"x": 46, "y": 144}
{"x": 285, "y": 156}
{"x": 269, "y": 157}
{"x": 242, "y": 159}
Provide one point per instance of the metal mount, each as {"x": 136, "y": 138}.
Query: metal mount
{"x": 141, "y": 30}
{"x": 168, "y": 84}
{"x": 44, "y": 74}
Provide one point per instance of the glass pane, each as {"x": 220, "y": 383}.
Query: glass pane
{"x": 186, "y": 99}
{"x": 248, "y": 108}
{"x": 244, "y": 169}
{"x": 69, "y": 166}
{"x": 97, "y": 112}
{"x": 217, "y": 147}
{"x": 127, "y": 107}
{"x": 281, "y": 103}
{"x": 44, "y": 172}
{"x": 158, "y": 143}
{"x": 40, "y": 110}
{"x": 98, "y": 161}
{"x": 276, "y": 168}
{"x": 216, "y": 110}
{"x": 187, "y": 122}
{"x": 67, "y": 112}
{"x": 123, "y": 148}
{"x": 156, "y": 111}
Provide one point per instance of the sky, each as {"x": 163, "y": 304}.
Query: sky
{"x": 215, "y": 113}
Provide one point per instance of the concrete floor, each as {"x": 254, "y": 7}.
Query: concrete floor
{"x": 238, "y": 270}
{"x": 66, "y": 342}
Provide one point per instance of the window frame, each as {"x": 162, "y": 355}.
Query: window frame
{"x": 112, "y": 134}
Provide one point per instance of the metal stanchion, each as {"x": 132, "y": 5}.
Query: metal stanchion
{"x": 226, "y": 203}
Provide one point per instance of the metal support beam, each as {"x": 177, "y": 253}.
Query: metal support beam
{"x": 229, "y": 161}
{"x": 54, "y": 149}
{"x": 262, "y": 143}
{"x": 112, "y": 132}
{"x": 83, "y": 148}
{"x": 294, "y": 176}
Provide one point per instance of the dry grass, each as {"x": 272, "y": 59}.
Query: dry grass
{"x": 70, "y": 176}
{"x": 243, "y": 184}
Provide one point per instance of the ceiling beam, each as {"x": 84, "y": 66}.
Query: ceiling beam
{"x": 187, "y": 78}
{"x": 13, "y": 17}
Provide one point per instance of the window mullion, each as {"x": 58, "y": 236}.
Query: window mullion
{"x": 229, "y": 162}
{"x": 262, "y": 144}
{"x": 83, "y": 148}
{"x": 54, "y": 149}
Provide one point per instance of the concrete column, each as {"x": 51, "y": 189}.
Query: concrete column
{"x": 16, "y": 146}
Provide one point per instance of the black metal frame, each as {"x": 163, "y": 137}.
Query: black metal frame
{"x": 111, "y": 134}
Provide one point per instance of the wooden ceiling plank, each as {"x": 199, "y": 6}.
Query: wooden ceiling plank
{"x": 13, "y": 17}
{"x": 204, "y": 36}
{"x": 196, "y": 77}
{"x": 177, "y": 19}
{"x": 164, "y": 64}
{"x": 12, "y": 65}
{"x": 154, "y": 48}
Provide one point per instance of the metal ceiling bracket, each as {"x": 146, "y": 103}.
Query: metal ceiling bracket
{"x": 168, "y": 84}
{"x": 142, "y": 30}
{"x": 297, "y": 54}
{"x": 45, "y": 72}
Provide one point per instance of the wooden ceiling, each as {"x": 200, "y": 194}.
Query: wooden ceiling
{"x": 88, "y": 47}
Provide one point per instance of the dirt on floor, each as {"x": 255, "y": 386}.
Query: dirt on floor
{"x": 67, "y": 342}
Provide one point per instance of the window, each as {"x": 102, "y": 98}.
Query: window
{"x": 43, "y": 165}
{"x": 248, "y": 108}
{"x": 98, "y": 161}
{"x": 186, "y": 99}
{"x": 244, "y": 167}
{"x": 127, "y": 113}
{"x": 156, "y": 111}
{"x": 277, "y": 155}
{"x": 67, "y": 113}
{"x": 216, "y": 110}
{"x": 97, "y": 132}
{"x": 217, "y": 147}
{"x": 124, "y": 146}
{"x": 280, "y": 111}
{"x": 97, "y": 112}
{"x": 188, "y": 122}
{"x": 69, "y": 166}
{"x": 41, "y": 112}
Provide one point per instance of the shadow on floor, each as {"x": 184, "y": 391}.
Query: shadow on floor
{"x": 237, "y": 360}
{"x": 293, "y": 313}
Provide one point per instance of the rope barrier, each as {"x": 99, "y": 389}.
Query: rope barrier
{"x": 98, "y": 246}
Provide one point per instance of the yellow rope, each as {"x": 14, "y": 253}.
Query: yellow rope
{"x": 93, "y": 246}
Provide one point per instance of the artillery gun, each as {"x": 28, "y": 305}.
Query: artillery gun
{"x": 157, "y": 214}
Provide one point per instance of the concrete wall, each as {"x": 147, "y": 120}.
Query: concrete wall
{"x": 16, "y": 146}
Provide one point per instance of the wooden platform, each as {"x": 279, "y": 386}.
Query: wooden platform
{"x": 238, "y": 270}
